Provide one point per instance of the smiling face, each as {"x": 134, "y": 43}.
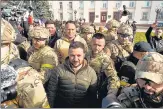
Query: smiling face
{"x": 150, "y": 91}
{"x": 70, "y": 31}
{"x": 76, "y": 56}
{"x": 150, "y": 87}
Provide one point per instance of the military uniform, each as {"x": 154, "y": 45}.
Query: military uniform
{"x": 12, "y": 54}
{"x": 24, "y": 87}
{"x": 149, "y": 68}
{"x": 8, "y": 35}
{"x": 111, "y": 34}
{"x": 44, "y": 58}
{"x": 118, "y": 48}
{"x": 29, "y": 89}
{"x": 87, "y": 33}
{"x": 103, "y": 65}
{"x": 62, "y": 46}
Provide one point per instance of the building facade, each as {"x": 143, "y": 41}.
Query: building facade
{"x": 143, "y": 12}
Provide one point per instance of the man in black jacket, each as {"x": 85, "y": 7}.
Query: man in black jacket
{"x": 127, "y": 68}
{"x": 50, "y": 24}
{"x": 156, "y": 41}
{"x": 73, "y": 84}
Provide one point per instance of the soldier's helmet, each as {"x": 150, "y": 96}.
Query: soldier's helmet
{"x": 7, "y": 32}
{"x": 112, "y": 24}
{"x": 39, "y": 32}
{"x": 151, "y": 67}
{"x": 125, "y": 30}
{"x": 88, "y": 29}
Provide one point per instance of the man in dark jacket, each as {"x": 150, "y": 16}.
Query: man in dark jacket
{"x": 50, "y": 24}
{"x": 73, "y": 84}
{"x": 156, "y": 41}
{"x": 128, "y": 67}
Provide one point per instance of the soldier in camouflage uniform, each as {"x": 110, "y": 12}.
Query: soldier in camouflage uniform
{"x": 112, "y": 27}
{"x": 61, "y": 46}
{"x": 122, "y": 47}
{"x": 103, "y": 66}
{"x": 41, "y": 56}
{"x": 7, "y": 38}
{"x": 18, "y": 93}
{"x": 148, "y": 92}
{"x": 87, "y": 33}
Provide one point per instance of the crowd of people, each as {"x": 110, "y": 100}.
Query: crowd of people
{"x": 74, "y": 65}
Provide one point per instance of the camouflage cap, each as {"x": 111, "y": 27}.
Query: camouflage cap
{"x": 88, "y": 29}
{"x": 39, "y": 32}
{"x": 125, "y": 29}
{"x": 151, "y": 67}
{"x": 7, "y": 32}
{"x": 112, "y": 24}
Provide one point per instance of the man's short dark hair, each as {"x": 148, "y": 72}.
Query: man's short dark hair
{"x": 70, "y": 21}
{"x": 49, "y": 22}
{"x": 77, "y": 44}
{"x": 98, "y": 36}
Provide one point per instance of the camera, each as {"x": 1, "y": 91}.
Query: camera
{"x": 8, "y": 93}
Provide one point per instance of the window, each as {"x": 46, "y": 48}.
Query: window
{"x": 61, "y": 16}
{"x": 70, "y": 17}
{"x": 60, "y": 4}
{"x": 162, "y": 4}
{"x": 117, "y": 5}
{"x": 132, "y": 4}
{"x": 92, "y": 4}
{"x": 70, "y": 5}
{"x": 160, "y": 16}
{"x": 81, "y": 4}
{"x": 130, "y": 15}
{"x": 104, "y": 4}
{"x": 147, "y": 3}
{"x": 145, "y": 16}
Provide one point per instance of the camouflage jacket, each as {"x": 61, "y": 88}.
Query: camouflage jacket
{"x": 110, "y": 36}
{"x": 12, "y": 54}
{"x": 118, "y": 50}
{"x": 30, "y": 92}
{"x": 102, "y": 63}
{"x": 88, "y": 39}
{"x": 43, "y": 60}
{"x": 62, "y": 46}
